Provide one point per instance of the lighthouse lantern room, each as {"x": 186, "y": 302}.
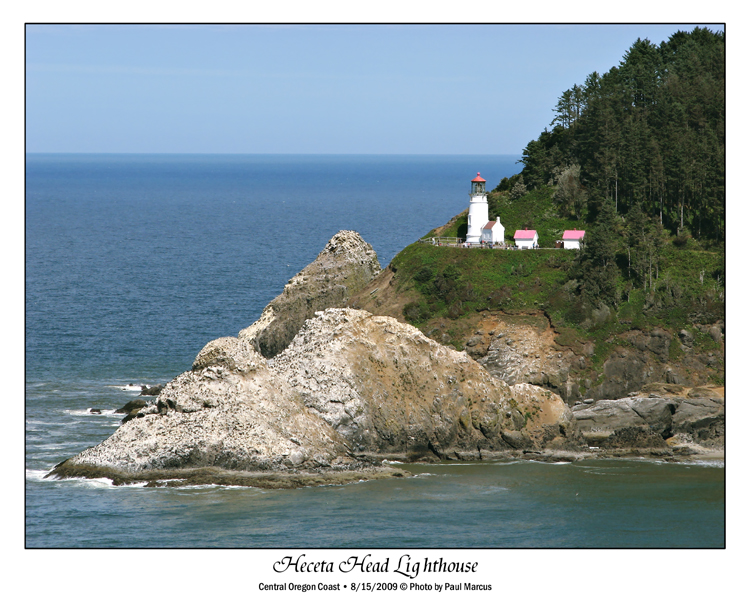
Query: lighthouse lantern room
{"x": 478, "y": 210}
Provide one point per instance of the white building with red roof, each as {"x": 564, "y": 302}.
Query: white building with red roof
{"x": 493, "y": 232}
{"x": 526, "y": 238}
{"x": 478, "y": 210}
{"x": 572, "y": 239}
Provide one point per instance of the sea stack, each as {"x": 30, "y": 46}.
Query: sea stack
{"x": 344, "y": 267}
{"x": 350, "y": 390}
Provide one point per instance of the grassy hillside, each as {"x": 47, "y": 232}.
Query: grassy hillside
{"x": 455, "y": 284}
{"x": 452, "y": 282}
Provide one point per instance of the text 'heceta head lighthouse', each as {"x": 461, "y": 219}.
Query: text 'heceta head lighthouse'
{"x": 478, "y": 211}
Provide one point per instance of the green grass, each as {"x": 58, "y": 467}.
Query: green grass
{"x": 453, "y": 282}
{"x": 457, "y": 228}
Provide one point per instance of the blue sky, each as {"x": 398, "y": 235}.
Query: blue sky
{"x": 441, "y": 89}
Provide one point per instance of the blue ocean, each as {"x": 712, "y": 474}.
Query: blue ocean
{"x": 135, "y": 262}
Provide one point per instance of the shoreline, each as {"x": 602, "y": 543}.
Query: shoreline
{"x": 392, "y": 466}
{"x": 219, "y": 476}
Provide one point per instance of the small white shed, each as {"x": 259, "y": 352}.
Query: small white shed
{"x": 572, "y": 239}
{"x": 526, "y": 238}
{"x": 493, "y": 232}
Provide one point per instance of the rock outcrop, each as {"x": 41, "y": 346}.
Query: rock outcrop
{"x": 231, "y": 411}
{"x": 608, "y": 422}
{"x": 389, "y": 389}
{"x": 522, "y": 349}
{"x": 689, "y": 423}
{"x": 528, "y": 349}
{"x": 136, "y": 404}
{"x": 523, "y": 345}
{"x": 345, "y": 266}
{"x": 153, "y": 390}
{"x": 350, "y": 390}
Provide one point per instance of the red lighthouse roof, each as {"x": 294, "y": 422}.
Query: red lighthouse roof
{"x": 478, "y": 179}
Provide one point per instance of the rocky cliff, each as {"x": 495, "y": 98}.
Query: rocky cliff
{"x": 306, "y": 396}
{"x": 344, "y": 267}
{"x": 389, "y": 389}
{"x": 523, "y": 345}
{"x": 662, "y": 420}
{"x": 229, "y": 412}
{"x": 350, "y": 390}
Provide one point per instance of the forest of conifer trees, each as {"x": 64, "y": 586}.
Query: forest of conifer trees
{"x": 649, "y": 136}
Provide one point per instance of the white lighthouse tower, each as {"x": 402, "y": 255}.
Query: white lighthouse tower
{"x": 478, "y": 211}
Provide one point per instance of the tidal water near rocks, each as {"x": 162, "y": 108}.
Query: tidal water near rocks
{"x": 134, "y": 262}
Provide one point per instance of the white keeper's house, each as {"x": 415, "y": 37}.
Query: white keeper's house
{"x": 572, "y": 239}
{"x": 493, "y": 232}
{"x": 526, "y": 238}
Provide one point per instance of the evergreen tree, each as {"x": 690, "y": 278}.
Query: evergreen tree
{"x": 518, "y": 190}
{"x": 570, "y": 193}
{"x": 597, "y": 267}
{"x": 645, "y": 241}
{"x": 649, "y": 131}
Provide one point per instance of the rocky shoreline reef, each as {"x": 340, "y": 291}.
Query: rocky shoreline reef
{"x": 316, "y": 392}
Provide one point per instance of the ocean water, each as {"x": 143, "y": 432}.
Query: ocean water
{"x": 134, "y": 262}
